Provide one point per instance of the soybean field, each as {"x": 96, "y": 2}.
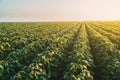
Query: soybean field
{"x": 60, "y": 51}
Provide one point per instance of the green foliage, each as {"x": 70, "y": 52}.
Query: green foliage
{"x": 60, "y": 51}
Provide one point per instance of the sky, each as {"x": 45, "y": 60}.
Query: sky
{"x": 59, "y": 10}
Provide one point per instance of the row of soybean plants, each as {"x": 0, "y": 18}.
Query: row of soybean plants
{"x": 103, "y": 51}
{"x": 45, "y": 64}
{"x": 22, "y": 57}
{"x": 109, "y": 28}
{"x": 114, "y": 38}
{"x": 15, "y": 36}
{"x": 114, "y": 26}
{"x": 77, "y": 60}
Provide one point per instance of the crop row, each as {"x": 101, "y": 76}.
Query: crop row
{"x": 107, "y": 66}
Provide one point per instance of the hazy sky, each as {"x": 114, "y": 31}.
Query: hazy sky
{"x": 59, "y": 10}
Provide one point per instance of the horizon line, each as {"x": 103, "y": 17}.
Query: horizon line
{"x": 61, "y": 21}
